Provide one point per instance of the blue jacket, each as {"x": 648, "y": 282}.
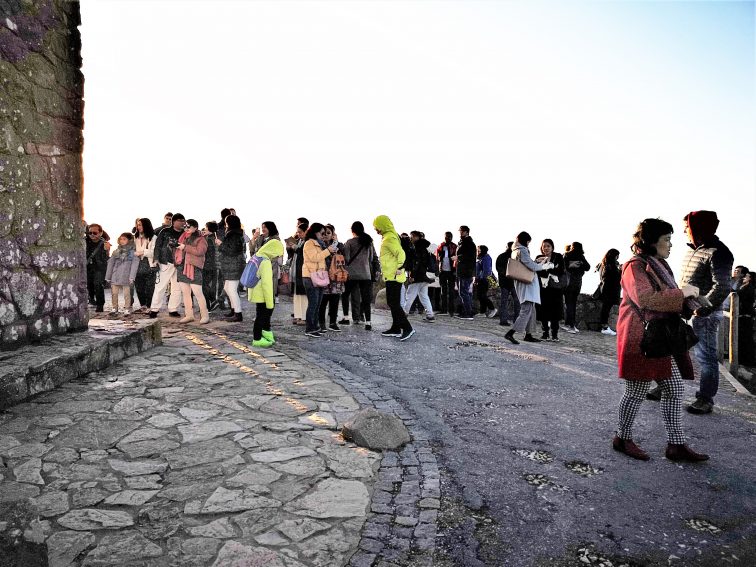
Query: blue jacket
{"x": 483, "y": 268}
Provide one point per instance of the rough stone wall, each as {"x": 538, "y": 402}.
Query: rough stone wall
{"x": 42, "y": 271}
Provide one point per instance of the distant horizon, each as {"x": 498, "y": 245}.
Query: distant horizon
{"x": 572, "y": 121}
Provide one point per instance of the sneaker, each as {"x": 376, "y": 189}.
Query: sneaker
{"x": 269, "y": 336}
{"x": 262, "y": 343}
{"x": 323, "y": 329}
{"x": 174, "y": 314}
{"x": 313, "y": 334}
{"x": 235, "y": 318}
{"x": 465, "y": 318}
{"x": 564, "y": 328}
{"x": 406, "y": 335}
{"x": 504, "y": 323}
{"x": 153, "y": 314}
{"x": 345, "y": 321}
{"x": 545, "y": 336}
{"x": 368, "y": 327}
{"x": 99, "y": 309}
{"x": 114, "y": 312}
{"x": 571, "y": 330}
{"x": 608, "y": 331}
{"x": 554, "y": 339}
{"x": 700, "y": 407}
{"x": 492, "y": 313}
{"x": 531, "y": 339}
{"x": 391, "y": 333}
{"x": 334, "y": 327}
{"x": 654, "y": 394}
{"x": 575, "y": 329}
{"x": 510, "y": 337}
{"x": 430, "y": 318}
{"x": 275, "y": 300}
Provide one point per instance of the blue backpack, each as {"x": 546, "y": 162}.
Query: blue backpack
{"x": 250, "y": 276}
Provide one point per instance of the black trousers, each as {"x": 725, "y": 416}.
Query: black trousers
{"x": 360, "y": 293}
{"x": 447, "y": 279}
{"x": 96, "y": 286}
{"x": 606, "y": 309}
{"x": 394, "y": 299}
{"x": 331, "y": 303}
{"x": 485, "y": 303}
{"x": 570, "y": 306}
{"x": 262, "y": 321}
{"x": 144, "y": 285}
{"x": 745, "y": 340}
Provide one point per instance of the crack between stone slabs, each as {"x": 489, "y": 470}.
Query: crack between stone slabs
{"x": 393, "y": 543}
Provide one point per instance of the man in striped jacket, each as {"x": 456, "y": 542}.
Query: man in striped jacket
{"x": 707, "y": 265}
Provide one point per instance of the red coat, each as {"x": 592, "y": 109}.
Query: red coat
{"x": 637, "y": 278}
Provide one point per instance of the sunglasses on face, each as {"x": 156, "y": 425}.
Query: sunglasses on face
{"x": 93, "y": 233}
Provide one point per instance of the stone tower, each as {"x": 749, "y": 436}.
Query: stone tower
{"x": 42, "y": 262}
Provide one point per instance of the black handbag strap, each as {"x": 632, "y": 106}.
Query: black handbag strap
{"x": 95, "y": 251}
{"x": 359, "y": 251}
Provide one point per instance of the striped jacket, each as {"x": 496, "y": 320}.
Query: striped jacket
{"x": 708, "y": 268}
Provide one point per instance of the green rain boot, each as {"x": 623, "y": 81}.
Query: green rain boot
{"x": 269, "y": 336}
{"x": 262, "y": 343}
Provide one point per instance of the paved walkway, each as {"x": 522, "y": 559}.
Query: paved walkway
{"x": 199, "y": 452}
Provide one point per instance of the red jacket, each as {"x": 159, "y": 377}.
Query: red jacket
{"x": 649, "y": 292}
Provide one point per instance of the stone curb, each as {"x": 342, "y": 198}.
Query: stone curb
{"x": 402, "y": 522}
{"x": 34, "y": 369}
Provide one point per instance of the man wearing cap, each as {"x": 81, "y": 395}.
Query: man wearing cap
{"x": 707, "y": 266}
{"x": 165, "y": 254}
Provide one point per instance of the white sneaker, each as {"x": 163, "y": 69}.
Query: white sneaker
{"x": 492, "y": 313}
{"x": 571, "y": 330}
{"x": 575, "y": 329}
{"x": 565, "y": 328}
{"x": 608, "y": 331}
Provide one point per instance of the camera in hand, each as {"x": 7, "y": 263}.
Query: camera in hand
{"x": 172, "y": 243}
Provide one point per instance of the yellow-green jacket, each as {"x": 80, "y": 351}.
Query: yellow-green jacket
{"x": 263, "y": 291}
{"x": 392, "y": 254}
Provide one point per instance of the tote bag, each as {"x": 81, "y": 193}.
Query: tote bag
{"x": 517, "y": 271}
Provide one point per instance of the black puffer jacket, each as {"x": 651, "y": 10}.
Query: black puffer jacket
{"x": 708, "y": 267}
{"x": 231, "y": 255}
{"x": 420, "y": 262}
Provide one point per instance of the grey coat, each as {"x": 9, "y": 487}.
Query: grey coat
{"x": 122, "y": 271}
{"x": 527, "y": 291}
{"x": 359, "y": 267}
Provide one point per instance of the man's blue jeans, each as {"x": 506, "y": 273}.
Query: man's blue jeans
{"x": 465, "y": 295}
{"x": 705, "y": 351}
{"x": 314, "y": 297}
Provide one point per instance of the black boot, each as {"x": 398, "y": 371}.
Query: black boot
{"x": 235, "y": 318}
{"x": 531, "y": 339}
{"x": 510, "y": 337}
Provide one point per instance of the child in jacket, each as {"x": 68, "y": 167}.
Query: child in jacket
{"x": 121, "y": 272}
{"x": 262, "y": 293}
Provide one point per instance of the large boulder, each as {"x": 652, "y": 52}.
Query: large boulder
{"x": 380, "y": 299}
{"x": 375, "y": 430}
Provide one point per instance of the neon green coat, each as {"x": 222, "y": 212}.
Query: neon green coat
{"x": 263, "y": 291}
{"x": 392, "y": 254}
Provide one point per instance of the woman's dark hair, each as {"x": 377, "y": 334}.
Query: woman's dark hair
{"x": 147, "y": 230}
{"x": 128, "y": 236}
{"x": 611, "y": 256}
{"x": 233, "y": 224}
{"x": 523, "y": 238}
{"x": 192, "y": 222}
{"x": 483, "y": 249}
{"x": 577, "y": 248}
{"x": 358, "y": 228}
{"x": 272, "y": 229}
{"x": 548, "y": 241}
{"x": 303, "y": 227}
{"x": 313, "y": 230}
{"x": 304, "y": 221}
{"x": 211, "y": 226}
{"x": 647, "y": 235}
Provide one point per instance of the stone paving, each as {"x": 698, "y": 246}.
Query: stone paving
{"x": 200, "y": 452}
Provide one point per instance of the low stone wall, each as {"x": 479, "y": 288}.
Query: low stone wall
{"x": 31, "y": 370}
{"x": 42, "y": 263}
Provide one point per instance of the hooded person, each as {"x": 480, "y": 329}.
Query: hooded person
{"x": 363, "y": 266}
{"x": 392, "y": 259}
{"x": 263, "y": 293}
{"x": 707, "y": 266}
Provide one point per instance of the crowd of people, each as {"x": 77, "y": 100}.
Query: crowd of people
{"x": 208, "y": 265}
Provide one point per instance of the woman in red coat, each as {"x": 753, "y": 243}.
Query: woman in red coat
{"x": 649, "y": 287}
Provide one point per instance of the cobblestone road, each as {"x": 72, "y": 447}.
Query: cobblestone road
{"x": 199, "y": 452}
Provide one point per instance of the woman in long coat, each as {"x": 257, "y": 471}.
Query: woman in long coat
{"x": 299, "y": 295}
{"x": 528, "y": 293}
{"x": 651, "y": 293}
{"x": 550, "y": 310}
{"x": 610, "y": 288}
{"x": 576, "y": 265}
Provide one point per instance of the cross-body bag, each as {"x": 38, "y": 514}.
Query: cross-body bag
{"x": 666, "y": 336}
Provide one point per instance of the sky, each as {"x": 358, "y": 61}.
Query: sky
{"x": 571, "y": 120}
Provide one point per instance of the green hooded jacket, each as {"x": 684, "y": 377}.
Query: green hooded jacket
{"x": 263, "y": 291}
{"x": 392, "y": 254}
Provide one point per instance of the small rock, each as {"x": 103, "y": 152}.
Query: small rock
{"x": 165, "y": 420}
{"x": 297, "y": 530}
{"x": 29, "y": 472}
{"x": 122, "y": 549}
{"x": 92, "y": 519}
{"x": 223, "y": 500}
{"x": 235, "y": 554}
{"x": 333, "y": 498}
{"x": 222, "y": 528}
{"x": 375, "y": 430}
{"x": 130, "y": 497}
{"x": 64, "y": 547}
{"x": 137, "y": 468}
{"x": 206, "y": 430}
{"x": 271, "y": 538}
{"x": 284, "y": 454}
{"x": 51, "y": 503}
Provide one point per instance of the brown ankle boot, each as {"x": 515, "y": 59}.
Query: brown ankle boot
{"x": 684, "y": 453}
{"x": 630, "y": 449}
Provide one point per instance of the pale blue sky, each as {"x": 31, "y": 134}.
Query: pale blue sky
{"x": 571, "y": 120}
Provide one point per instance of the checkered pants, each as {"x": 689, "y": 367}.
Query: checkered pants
{"x": 672, "y": 390}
